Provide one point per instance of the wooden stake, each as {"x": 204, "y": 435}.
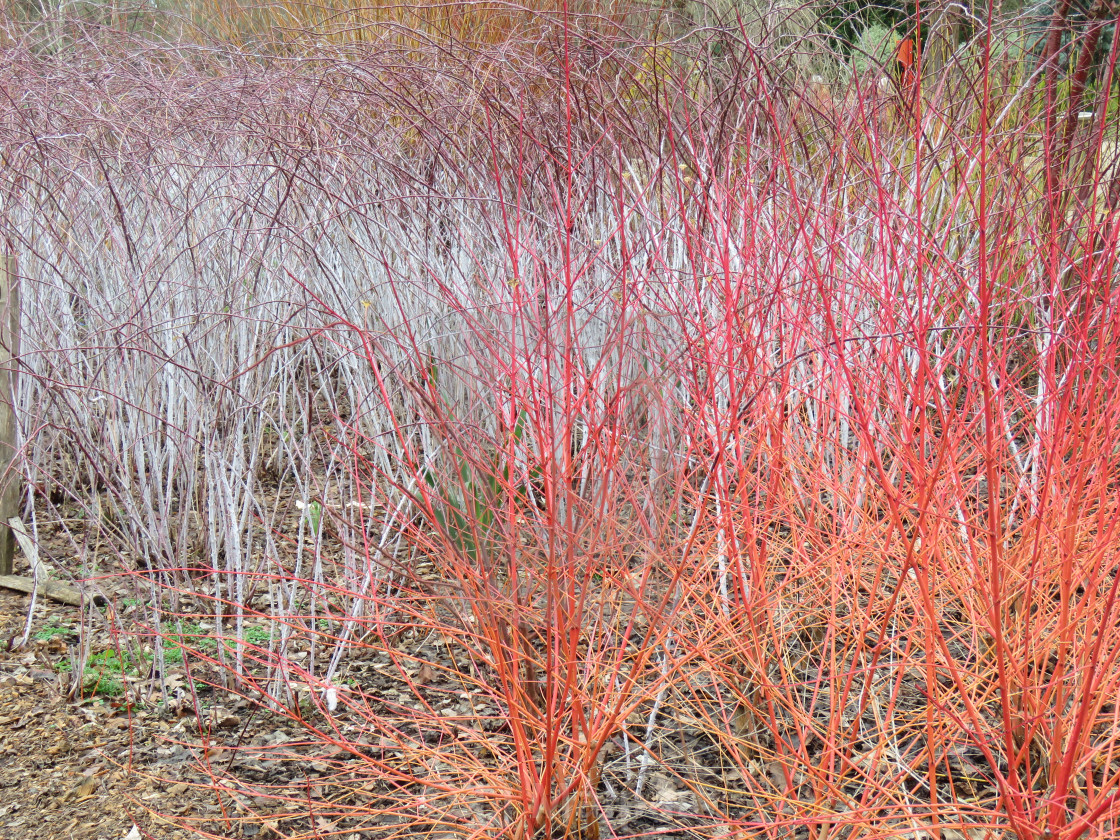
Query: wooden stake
{"x": 9, "y": 353}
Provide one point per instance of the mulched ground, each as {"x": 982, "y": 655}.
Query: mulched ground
{"x": 73, "y": 769}
{"x": 96, "y": 769}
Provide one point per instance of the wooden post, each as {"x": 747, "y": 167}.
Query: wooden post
{"x": 9, "y": 353}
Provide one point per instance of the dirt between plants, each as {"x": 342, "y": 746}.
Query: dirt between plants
{"x": 68, "y": 770}
{"x": 98, "y": 769}
{"x": 87, "y": 764}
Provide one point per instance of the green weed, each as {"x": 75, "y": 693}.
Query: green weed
{"x": 105, "y": 672}
{"x": 51, "y": 631}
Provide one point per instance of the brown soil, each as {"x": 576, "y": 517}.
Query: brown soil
{"x": 96, "y": 768}
{"x": 72, "y": 769}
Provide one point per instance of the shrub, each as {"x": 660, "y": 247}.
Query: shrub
{"x": 674, "y": 443}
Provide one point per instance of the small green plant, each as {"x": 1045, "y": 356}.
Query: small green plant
{"x": 99, "y": 683}
{"x": 51, "y": 631}
{"x": 190, "y": 635}
{"x": 115, "y": 662}
{"x": 192, "y": 638}
{"x": 105, "y": 672}
{"x": 257, "y": 635}
{"x": 314, "y": 516}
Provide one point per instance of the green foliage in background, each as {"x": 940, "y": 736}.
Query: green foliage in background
{"x": 848, "y": 22}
